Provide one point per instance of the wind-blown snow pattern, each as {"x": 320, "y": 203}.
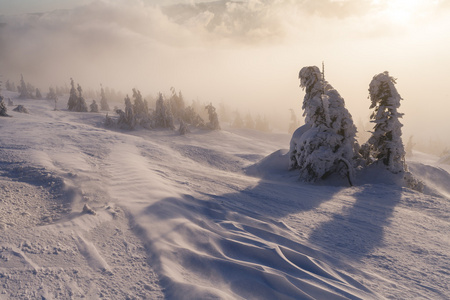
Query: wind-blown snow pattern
{"x": 207, "y": 215}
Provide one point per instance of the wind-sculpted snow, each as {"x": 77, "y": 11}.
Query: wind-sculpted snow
{"x": 201, "y": 217}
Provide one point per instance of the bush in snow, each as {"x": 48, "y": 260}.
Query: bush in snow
{"x": 385, "y": 145}
{"x": 94, "y": 106}
{"x": 10, "y": 102}
{"x": 328, "y": 144}
{"x": 213, "y": 118}
{"x": 21, "y": 109}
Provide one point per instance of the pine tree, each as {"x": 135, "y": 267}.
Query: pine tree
{"x": 329, "y": 144}
{"x": 385, "y": 145}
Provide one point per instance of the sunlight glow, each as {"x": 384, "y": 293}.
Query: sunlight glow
{"x": 403, "y": 11}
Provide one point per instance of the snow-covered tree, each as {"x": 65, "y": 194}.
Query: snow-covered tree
{"x": 126, "y": 118}
{"x": 10, "y": 86}
{"x": 176, "y": 102}
{"x": 183, "y": 129}
{"x": 73, "y": 97}
{"x": 81, "y": 105}
{"x": 94, "y": 106}
{"x": 3, "y": 109}
{"x": 103, "y": 101}
{"x": 329, "y": 144}
{"x": 24, "y": 89}
{"x": 213, "y": 118}
{"x": 76, "y": 100}
{"x": 38, "y": 94}
{"x": 51, "y": 95}
{"x": 163, "y": 117}
{"x": 385, "y": 145}
{"x": 193, "y": 118}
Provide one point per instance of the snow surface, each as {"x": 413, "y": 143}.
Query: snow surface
{"x": 207, "y": 215}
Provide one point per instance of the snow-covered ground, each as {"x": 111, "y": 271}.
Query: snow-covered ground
{"x": 209, "y": 215}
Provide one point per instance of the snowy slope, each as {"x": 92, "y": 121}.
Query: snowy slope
{"x": 209, "y": 215}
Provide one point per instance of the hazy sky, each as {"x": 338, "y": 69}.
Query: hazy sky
{"x": 246, "y": 53}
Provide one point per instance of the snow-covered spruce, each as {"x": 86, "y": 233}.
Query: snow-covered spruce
{"x": 76, "y": 100}
{"x": 385, "y": 145}
{"x": 163, "y": 117}
{"x": 3, "y": 108}
{"x": 213, "y": 118}
{"x": 327, "y": 144}
{"x": 94, "y": 106}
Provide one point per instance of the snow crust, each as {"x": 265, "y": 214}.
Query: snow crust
{"x": 207, "y": 215}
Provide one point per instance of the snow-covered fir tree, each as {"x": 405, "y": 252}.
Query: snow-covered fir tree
{"x": 103, "y": 101}
{"x": 213, "y": 118}
{"x": 190, "y": 116}
{"x": 385, "y": 145}
{"x": 126, "y": 118}
{"x": 163, "y": 117}
{"x": 94, "y": 106}
{"x": 183, "y": 129}
{"x": 38, "y": 94}
{"x": 80, "y": 105}
{"x": 3, "y": 109}
{"x": 73, "y": 97}
{"x": 176, "y": 102}
{"x": 24, "y": 89}
{"x": 329, "y": 144}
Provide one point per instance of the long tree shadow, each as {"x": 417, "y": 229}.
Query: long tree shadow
{"x": 359, "y": 229}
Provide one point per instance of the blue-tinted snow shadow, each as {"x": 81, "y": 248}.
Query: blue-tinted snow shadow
{"x": 359, "y": 229}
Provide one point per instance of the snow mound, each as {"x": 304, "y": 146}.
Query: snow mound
{"x": 436, "y": 179}
{"x": 277, "y": 163}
